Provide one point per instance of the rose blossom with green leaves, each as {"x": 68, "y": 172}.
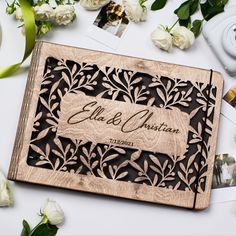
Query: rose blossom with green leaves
{"x": 190, "y": 28}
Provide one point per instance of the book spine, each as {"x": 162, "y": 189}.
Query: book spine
{"x": 13, "y": 169}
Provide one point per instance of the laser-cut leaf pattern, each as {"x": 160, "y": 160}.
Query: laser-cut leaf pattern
{"x": 47, "y": 150}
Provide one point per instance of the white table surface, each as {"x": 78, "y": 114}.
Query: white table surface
{"x": 90, "y": 214}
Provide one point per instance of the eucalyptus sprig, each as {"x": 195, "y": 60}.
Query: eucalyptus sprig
{"x": 208, "y": 8}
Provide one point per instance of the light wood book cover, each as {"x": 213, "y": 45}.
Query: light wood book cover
{"x": 118, "y": 125}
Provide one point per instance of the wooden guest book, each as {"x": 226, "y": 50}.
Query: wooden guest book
{"x": 118, "y": 125}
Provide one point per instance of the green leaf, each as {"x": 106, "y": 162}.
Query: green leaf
{"x": 26, "y": 229}
{"x": 212, "y": 2}
{"x": 183, "y": 12}
{"x": 196, "y": 27}
{"x": 45, "y": 230}
{"x": 212, "y": 8}
{"x": 185, "y": 23}
{"x": 194, "y": 6}
{"x": 158, "y": 4}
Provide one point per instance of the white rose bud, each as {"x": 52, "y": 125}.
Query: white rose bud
{"x": 92, "y": 5}
{"x": 53, "y": 212}
{"x": 64, "y": 14}
{"x": 183, "y": 38}
{"x": 6, "y": 198}
{"x": 162, "y": 39}
{"x": 134, "y": 10}
{"x": 43, "y": 12}
{"x": 19, "y": 15}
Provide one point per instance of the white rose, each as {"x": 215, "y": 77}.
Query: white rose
{"x": 93, "y": 4}
{"x": 64, "y": 14}
{"x": 6, "y": 198}
{"x": 183, "y": 38}
{"x": 19, "y": 15}
{"x": 162, "y": 39}
{"x": 53, "y": 212}
{"x": 134, "y": 10}
{"x": 43, "y": 12}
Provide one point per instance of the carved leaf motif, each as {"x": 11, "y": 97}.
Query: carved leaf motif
{"x": 38, "y": 116}
{"x": 165, "y": 164}
{"x": 122, "y": 175}
{"x": 137, "y": 80}
{"x": 85, "y": 151}
{"x": 106, "y": 85}
{"x": 155, "y": 179}
{"x": 57, "y": 163}
{"x": 58, "y": 143}
{"x": 155, "y": 169}
{"x": 100, "y": 173}
{"x": 176, "y": 97}
{"x": 135, "y": 155}
{"x": 51, "y": 122}
{"x": 141, "y": 178}
{"x": 111, "y": 157}
{"x": 115, "y": 95}
{"x": 182, "y": 167}
{"x": 88, "y": 87}
{"x": 177, "y": 185}
{"x": 151, "y": 101}
{"x": 136, "y": 166}
{"x": 143, "y": 98}
{"x": 95, "y": 164}
{"x": 42, "y": 100}
{"x": 192, "y": 180}
{"x": 117, "y": 79}
{"x": 155, "y": 160}
{"x": 47, "y": 149}
{"x": 37, "y": 149}
{"x": 84, "y": 161}
{"x": 123, "y": 164}
{"x": 168, "y": 85}
{"x": 190, "y": 161}
{"x": 160, "y": 94}
{"x": 74, "y": 69}
{"x": 181, "y": 176}
{"x": 126, "y": 98}
{"x": 55, "y": 86}
{"x": 57, "y": 153}
{"x": 145, "y": 166}
{"x": 111, "y": 172}
{"x": 65, "y": 77}
{"x": 120, "y": 150}
{"x": 42, "y": 134}
{"x": 39, "y": 163}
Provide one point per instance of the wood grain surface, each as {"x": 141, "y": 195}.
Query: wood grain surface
{"x": 119, "y": 185}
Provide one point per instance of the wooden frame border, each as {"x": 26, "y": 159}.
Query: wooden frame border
{"x": 20, "y": 171}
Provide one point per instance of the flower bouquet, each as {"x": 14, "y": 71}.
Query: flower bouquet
{"x": 46, "y": 15}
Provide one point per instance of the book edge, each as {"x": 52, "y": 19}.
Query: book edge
{"x": 14, "y": 164}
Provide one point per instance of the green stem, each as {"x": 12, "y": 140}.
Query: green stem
{"x": 43, "y": 221}
{"x": 169, "y": 29}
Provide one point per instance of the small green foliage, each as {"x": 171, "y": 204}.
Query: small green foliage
{"x": 26, "y": 229}
{"x": 188, "y": 8}
{"x": 45, "y": 230}
{"x": 196, "y": 27}
{"x": 212, "y": 7}
{"x": 158, "y": 4}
